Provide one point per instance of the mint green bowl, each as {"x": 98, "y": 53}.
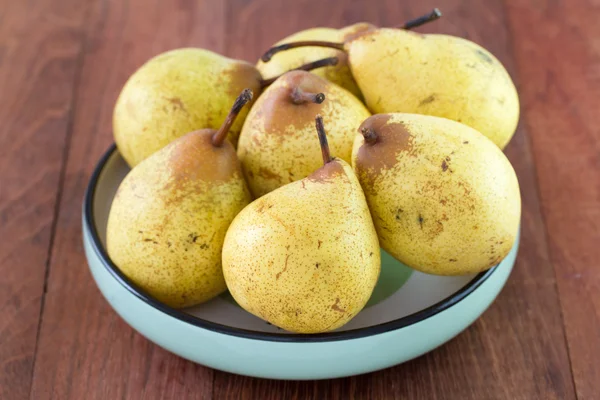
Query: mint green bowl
{"x": 409, "y": 314}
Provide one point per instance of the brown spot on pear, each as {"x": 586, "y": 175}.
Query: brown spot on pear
{"x": 381, "y": 152}
{"x": 278, "y": 135}
{"x": 482, "y": 191}
{"x": 308, "y": 297}
{"x": 166, "y": 229}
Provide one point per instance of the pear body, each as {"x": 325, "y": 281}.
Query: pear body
{"x": 439, "y": 75}
{"x": 277, "y": 144}
{"x": 288, "y": 60}
{"x": 169, "y": 217}
{"x": 305, "y": 257}
{"x": 444, "y": 199}
{"x": 175, "y": 93}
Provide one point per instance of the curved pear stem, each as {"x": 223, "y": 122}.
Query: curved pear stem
{"x": 299, "y": 96}
{"x": 413, "y": 23}
{"x": 324, "y": 62}
{"x": 422, "y": 20}
{"x": 304, "y": 43}
{"x": 219, "y": 136}
{"x": 323, "y": 140}
{"x": 370, "y": 135}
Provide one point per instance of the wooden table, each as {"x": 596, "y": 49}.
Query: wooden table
{"x": 62, "y": 64}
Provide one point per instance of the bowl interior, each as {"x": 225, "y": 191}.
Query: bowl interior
{"x": 400, "y": 292}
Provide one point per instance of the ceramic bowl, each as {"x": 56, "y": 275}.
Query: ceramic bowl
{"x": 409, "y": 314}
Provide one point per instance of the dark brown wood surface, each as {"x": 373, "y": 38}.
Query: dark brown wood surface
{"x": 62, "y": 64}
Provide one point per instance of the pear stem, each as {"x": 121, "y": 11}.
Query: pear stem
{"x": 219, "y": 136}
{"x": 304, "y": 43}
{"x": 323, "y": 140}
{"x": 422, "y": 20}
{"x": 413, "y": 23}
{"x": 325, "y": 62}
{"x": 299, "y": 96}
{"x": 370, "y": 135}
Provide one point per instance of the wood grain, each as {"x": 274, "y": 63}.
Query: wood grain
{"x": 517, "y": 349}
{"x": 40, "y": 43}
{"x": 85, "y": 350}
{"x": 562, "y": 102}
{"x": 62, "y": 65}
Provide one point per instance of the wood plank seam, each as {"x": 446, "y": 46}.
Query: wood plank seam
{"x": 84, "y": 354}
{"x": 61, "y": 184}
{"x": 524, "y": 122}
{"x": 551, "y": 383}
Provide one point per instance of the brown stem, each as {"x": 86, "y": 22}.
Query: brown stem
{"x": 422, "y": 20}
{"x": 413, "y": 23}
{"x": 219, "y": 136}
{"x": 323, "y": 139}
{"x": 299, "y": 96}
{"x": 370, "y": 135}
{"x": 304, "y": 43}
{"x": 324, "y": 62}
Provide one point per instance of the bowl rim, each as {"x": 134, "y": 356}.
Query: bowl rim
{"x": 89, "y": 225}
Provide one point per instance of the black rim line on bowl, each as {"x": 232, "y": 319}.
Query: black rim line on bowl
{"x": 403, "y": 322}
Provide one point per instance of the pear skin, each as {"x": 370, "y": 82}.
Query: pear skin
{"x": 439, "y": 75}
{"x": 169, "y": 217}
{"x": 399, "y": 71}
{"x": 277, "y": 144}
{"x": 444, "y": 199}
{"x": 175, "y": 93}
{"x": 305, "y": 257}
{"x": 339, "y": 74}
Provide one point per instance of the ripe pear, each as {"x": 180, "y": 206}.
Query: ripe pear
{"x": 305, "y": 257}
{"x": 178, "y": 92}
{"x": 277, "y": 143}
{"x": 446, "y": 76}
{"x": 169, "y": 217}
{"x": 339, "y": 74}
{"x": 444, "y": 199}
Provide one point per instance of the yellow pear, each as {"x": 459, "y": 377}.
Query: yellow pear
{"x": 305, "y": 257}
{"x": 277, "y": 143}
{"x": 339, "y": 74}
{"x": 178, "y": 92}
{"x": 440, "y": 75}
{"x": 169, "y": 217}
{"x": 444, "y": 199}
